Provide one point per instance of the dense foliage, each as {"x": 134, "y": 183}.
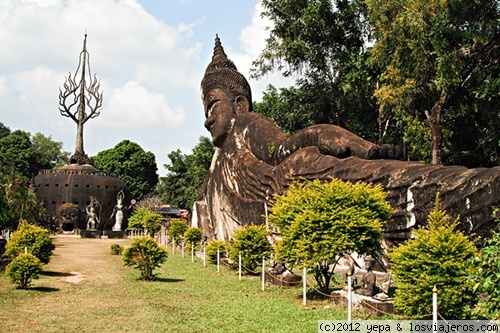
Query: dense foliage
{"x": 216, "y": 245}
{"x": 320, "y": 222}
{"x": 145, "y": 255}
{"x": 186, "y": 174}
{"x": 431, "y": 66}
{"x": 436, "y": 57}
{"x": 251, "y": 241}
{"x": 438, "y": 256}
{"x": 21, "y": 203}
{"x": 24, "y": 268}
{"x": 116, "y": 249}
{"x": 23, "y": 154}
{"x": 487, "y": 277}
{"x": 177, "y": 229}
{"x": 129, "y": 162}
{"x": 193, "y": 236}
{"x": 33, "y": 239}
{"x": 323, "y": 43}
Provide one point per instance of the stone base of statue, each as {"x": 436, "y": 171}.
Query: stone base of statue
{"x": 91, "y": 233}
{"x": 117, "y": 234}
{"x": 378, "y": 305}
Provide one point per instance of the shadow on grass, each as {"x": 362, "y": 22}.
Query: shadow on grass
{"x": 160, "y": 279}
{"x": 44, "y": 289}
{"x": 51, "y": 273}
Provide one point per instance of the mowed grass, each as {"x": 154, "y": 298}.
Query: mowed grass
{"x": 86, "y": 289}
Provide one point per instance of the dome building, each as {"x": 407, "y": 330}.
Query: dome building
{"x": 78, "y": 196}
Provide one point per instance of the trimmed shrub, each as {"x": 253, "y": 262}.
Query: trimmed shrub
{"x": 145, "y": 255}
{"x": 193, "y": 235}
{"x": 438, "y": 256}
{"x": 213, "y": 246}
{"x": 35, "y": 239}
{"x": 116, "y": 249}
{"x": 24, "y": 268}
{"x": 253, "y": 244}
{"x": 152, "y": 222}
{"x": 177, "y": 229}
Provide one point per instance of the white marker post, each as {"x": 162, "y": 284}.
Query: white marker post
{"x": 263, "y": 273}
{"x": 192, "y": 252}
{"x": 349, "y": 295}
{"x": 239, "y": 266}
{"x": 218, "y": 261}
{"x": 304, "y": 285}
{"x": 182, "y": 250}
{"x": 204, "y": 257}
{"x": 434, "y": 308}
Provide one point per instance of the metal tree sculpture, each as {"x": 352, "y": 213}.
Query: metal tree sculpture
{"x": 86, "y": 96}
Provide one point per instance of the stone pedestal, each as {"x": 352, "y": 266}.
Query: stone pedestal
{"x": 117, "y": 234}
{"x": 371, "y": 305}
{"x": 91, "y": 233}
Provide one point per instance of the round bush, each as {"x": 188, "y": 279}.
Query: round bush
{"x": 253, "y": 244}
{"x": 35, "y": 239}
{"x": 116, "y": 249}
{"x": 145, "y": 255}
{"x": 213, "y": 246}
{"x": 193, "y": 236}
{"x": 24, "y": 268}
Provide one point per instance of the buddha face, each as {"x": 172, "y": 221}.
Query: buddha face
{"x": 220, "y": 115}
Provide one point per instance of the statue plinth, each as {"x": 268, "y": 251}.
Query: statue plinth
{"x": 91, "y": 233}
{"x": 117, "y": 234}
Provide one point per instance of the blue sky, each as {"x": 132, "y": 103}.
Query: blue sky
{"x": 149, "y": 55}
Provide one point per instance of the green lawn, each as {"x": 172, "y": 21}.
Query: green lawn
{"x": 105, "y": 296}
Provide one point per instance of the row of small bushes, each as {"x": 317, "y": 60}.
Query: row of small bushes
{"x": 30, "y": 247}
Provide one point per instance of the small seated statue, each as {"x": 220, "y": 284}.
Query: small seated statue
{"x": 368, "y": 281}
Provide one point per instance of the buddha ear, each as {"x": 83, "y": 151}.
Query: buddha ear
{"x": 242, "y": 104}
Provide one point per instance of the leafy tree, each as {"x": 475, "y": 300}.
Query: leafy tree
{"x": 186, "y": 174}
{"x": 440, "y": 68}
{"x": 152, "y": 222}
{"x": 49, "y": 153}
{"x": 4, "y": 131}
{"x": 487, "y": 278}
{"x": 323, "y": 43}
{"x": 24, "y": 268}
{"x": 17, "y": 158}
{"x": 177, "y": 229}
{"x": 22, "y": 203}
{"x": 321, "y": 222}
{"x": 135, "y": 167}
{"x": 145, "y": 255}
{"x": 213, "y": 246}
{"x": 5, "y": 217}
{"x": 145, "y": 219}
{"x": 136, "y": 220}
{"x": 251, "y": 241}
{"x": 36, "y": 240}
{"x": 438, "y": 256}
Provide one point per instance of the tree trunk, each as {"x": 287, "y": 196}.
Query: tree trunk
{"x": 434, "y": 118}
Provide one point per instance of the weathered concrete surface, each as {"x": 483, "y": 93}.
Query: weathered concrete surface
{"x": 241, "y": 180}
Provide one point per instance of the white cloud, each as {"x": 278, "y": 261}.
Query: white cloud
{"x": 150, "y": 69}
{"x": 135, "y": 106}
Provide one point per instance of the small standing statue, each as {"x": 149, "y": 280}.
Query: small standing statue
{"x": 118, "y": 211}
{"x": 92, "y": 219}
